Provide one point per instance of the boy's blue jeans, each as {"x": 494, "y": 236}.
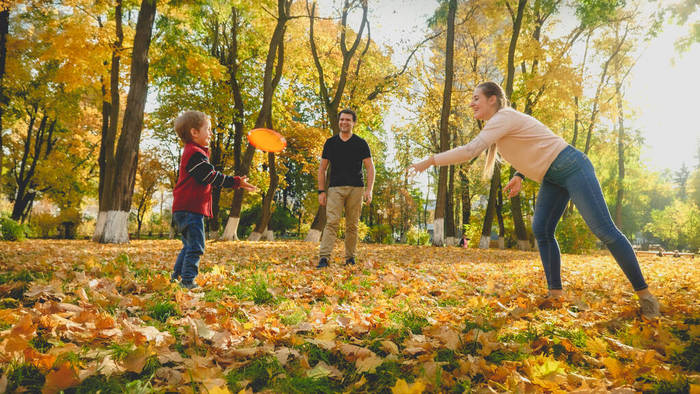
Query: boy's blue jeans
{"x": 571, "y": 176}
{"x": 191, "y": 226}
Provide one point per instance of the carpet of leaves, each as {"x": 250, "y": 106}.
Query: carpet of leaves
{"x": 83, "y": 317}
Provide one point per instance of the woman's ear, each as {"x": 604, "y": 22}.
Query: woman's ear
{"x": 493, "y": 100}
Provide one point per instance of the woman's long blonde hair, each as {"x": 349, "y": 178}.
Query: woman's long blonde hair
{"x": 492, "y": 89}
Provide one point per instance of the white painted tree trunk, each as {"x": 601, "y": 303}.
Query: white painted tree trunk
{"x": 484, "y": 242}
{"x": 524, "y": 245}
{"x": 269, "y": 235}
{"x": 451, "y": 241}
{"x": 501, "y": 243}
{"x": 313, "y": 236}
{"x": 254, "y": 236}
{"x": 112, "y": 227}
{"x": 231, "y": 230}
{"x": 439, "y": 231}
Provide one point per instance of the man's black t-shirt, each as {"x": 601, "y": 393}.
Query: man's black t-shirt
{"x": 346, "y": 159}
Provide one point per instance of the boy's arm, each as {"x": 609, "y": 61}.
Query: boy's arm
{"x": 204, "y": 172}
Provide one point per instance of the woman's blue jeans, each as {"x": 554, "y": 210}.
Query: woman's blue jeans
{"x": 191, "y": 226}
{"x": 571, "y": 176}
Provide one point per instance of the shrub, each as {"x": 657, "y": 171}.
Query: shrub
{"x": 362, "y": 229}
{"x": 381, "y": 233}
{"x": 12, "y": 231}
{"x": 574, "y": 236}
{"x": 416, "y": 236}
{"x": 44, "y": 224}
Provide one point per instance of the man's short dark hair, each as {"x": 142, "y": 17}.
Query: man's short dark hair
{"x": 349, "y": 112}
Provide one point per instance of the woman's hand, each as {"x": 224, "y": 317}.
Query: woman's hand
{"x": 421, "y": 166}
{"x": 247, "y": 186}
{"x": 513, "y": 187}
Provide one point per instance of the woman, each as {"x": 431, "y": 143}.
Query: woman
{"x": 564, "y": 173}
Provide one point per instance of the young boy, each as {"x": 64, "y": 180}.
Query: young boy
{"x": 192, "y": 194}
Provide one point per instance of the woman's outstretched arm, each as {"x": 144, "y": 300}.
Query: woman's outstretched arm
{"x": 459, "y": 154}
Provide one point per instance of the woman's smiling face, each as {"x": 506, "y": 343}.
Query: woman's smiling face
{"x": 483, "y": 107}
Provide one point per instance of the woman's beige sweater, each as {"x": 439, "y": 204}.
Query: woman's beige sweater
{"x": 523, "y": 141}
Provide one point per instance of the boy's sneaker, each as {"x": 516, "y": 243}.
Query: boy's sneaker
{"x": 188, "y": 285}
{"x": 322, "y": 263}
{"x": 173, "y": 278}
{"x": 350, "y": 261}
{"x": 650, "y": 307}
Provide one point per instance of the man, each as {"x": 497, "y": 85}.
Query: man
{"x": 346, "y": 153}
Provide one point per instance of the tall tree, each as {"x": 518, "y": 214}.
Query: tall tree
{"x": 272, "y": 75}
{"x": 270, "y": 82}
{"x": 4, "y": 30}
{"x": 118, "y": 186}
{"x": 517, "y": 18}
{"x": 110, "y": 109}
{"x": 332, "y": 100}
{"x": 441, "y": 199}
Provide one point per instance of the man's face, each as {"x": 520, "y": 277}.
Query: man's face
{"x": 345, "y": 123}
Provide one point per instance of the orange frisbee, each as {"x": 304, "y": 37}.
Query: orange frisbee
{"x": 267, "y": 140}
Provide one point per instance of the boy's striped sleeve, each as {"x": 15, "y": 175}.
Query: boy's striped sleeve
{"x": 204, "y": 172}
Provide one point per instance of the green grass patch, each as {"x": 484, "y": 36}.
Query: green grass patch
{"x": 578, "y": 337}
{"x": 447, "y": 356}
{"x": 259, "y": 293}
{"x": 680, "y": 385}
{"x": 445, "y": 302}
{"x": 162, "y": 310}
{"x": 689, "y": 358}
{"x": 294, "y": 317}
{"x": 40, "y": 343}
{"x": 470, "y": 325}
{"x": 385, "y": 377}
{"x": 390, "y": 291}
{"x": 259, "y": 373}
{"x": 305, "y": 384}
{"x": 25, "y": 375}
{"x": 498, "y": 356}
{"x": 100, "y": 384}
{"x": 410, "y": 320}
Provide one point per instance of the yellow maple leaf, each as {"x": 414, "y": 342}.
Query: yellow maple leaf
{"x": 614, "y": 366}
{"x": 220, "y": 390}
{"x": 401, "y": 387}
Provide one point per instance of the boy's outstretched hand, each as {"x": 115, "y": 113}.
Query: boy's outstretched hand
{"x": 247, "y": 186}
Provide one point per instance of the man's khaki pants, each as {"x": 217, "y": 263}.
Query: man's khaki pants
{"x": 338, "y": 197}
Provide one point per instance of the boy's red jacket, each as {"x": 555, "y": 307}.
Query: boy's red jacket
{"x": 197, "y": 175}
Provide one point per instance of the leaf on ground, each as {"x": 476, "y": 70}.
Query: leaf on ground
{"x": 401, "y": 387}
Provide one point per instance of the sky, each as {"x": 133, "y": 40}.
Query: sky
{"x": 662, "y": 91}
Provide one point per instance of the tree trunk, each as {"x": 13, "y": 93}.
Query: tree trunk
{"x": 499, "y": 215}
{"x": 450, "y": 238}
{"x": 110, "y": 112}
{"x": 231, "y": 60}
{"x": 271, "y": 78}
{"x": 441, "y": 198}
{"x": 331, "y": 100}
{"x": 216, "y": 160}
{"x": 112, "y": 220}
{"x": 620, "y": 158}
{"x": 266, "y": 211}
{"x": 25, "y": 194}
{"x": 466, "y": 200}
{"x": 518, "y": 223}
{"x": 4, "y": 29}
{"x": 490, "y": 208}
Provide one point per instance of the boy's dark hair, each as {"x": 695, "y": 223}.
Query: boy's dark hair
{"x": 187, "y": 121}
{"x": 349, "y": 112}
